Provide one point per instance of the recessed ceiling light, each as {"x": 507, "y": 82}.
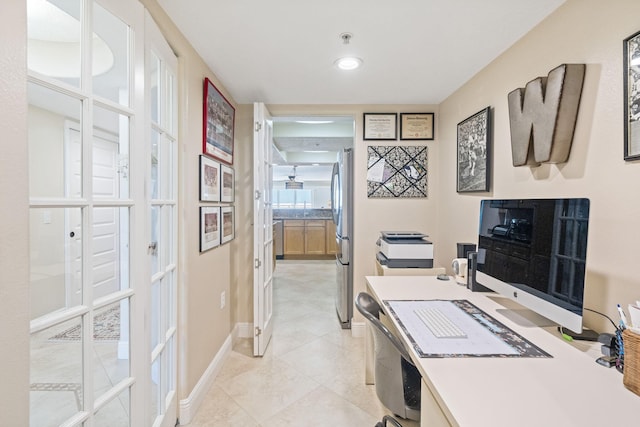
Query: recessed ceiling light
{"x": 348, "y": 63}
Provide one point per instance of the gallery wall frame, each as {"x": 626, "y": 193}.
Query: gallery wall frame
{"x": 227, "y": 184}
{"x": 209, "y": 180}
{"x": 227, "y": 214}
{"x": 209, "y": 227}
{"x": 380, "y": 126}
{"x": 218, "y": 124}
{"x": 474, "y": 152}
{"x": 417, "y": 126}
{"x": 631, "y": 67}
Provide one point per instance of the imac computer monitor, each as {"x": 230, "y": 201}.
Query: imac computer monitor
{"x": 534, "y": 252}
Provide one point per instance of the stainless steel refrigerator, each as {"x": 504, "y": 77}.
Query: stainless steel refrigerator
{"x": 342, "y": 207}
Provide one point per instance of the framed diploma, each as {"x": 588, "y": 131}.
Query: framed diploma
{"x": 380, "y": 126}
{"x": 416, "y": 126}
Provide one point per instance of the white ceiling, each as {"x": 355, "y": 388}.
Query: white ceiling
{"x": 283, "y": 51}
{"x": 414, "y": 51}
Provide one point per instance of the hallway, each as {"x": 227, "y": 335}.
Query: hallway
{"x": 312, "y": 373}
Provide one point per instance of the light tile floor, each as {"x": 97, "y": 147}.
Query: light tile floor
{"x": 312, "y": 373}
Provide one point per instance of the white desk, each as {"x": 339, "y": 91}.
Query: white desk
{"x": 569, "y": 389}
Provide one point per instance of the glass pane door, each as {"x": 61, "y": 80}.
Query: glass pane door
{"x": 81, "y": 121}
{"x": 161, "y": 71}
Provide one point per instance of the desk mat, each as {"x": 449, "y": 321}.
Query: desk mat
{"x": 518, "y": 345}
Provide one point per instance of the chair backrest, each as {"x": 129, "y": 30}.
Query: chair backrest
{"x": 390, "y": 421}
{"x": 370, "y": 309}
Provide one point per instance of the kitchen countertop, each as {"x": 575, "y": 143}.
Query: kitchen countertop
{"x": 284, "y": 214}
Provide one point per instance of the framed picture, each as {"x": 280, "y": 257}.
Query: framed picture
{"x": 209, "y": 180}
{"x": 209, "y": 227}
{"x": 218, "y": 121}
{"x": 380, "y": 126}
{"x": 416, "y": 126}
{"x": 474, "y": 152}
{"x": 631, "y": 68}
{"x": 228, "y": 223}
{"x": 227, "y": 182}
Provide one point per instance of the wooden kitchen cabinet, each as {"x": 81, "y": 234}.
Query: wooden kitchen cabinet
{"x": 309, "y": 239}
{"x": 294, "y": 231}
{"x": 314, "y": 237}
{"x": 330, "y": 237}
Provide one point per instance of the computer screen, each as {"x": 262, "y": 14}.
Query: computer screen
{"x": 534, "y": 251}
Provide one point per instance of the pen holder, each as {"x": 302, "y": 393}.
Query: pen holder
{"x": 631, "y": 373}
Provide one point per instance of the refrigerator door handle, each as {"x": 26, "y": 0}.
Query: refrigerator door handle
{"x": 335, "y": 183}
{"x": 342, "y": 253}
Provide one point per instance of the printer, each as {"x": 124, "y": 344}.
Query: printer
{"x": 404, "y": 249}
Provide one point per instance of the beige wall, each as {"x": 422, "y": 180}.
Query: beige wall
{"x": 581, "y": 31}
{"x": 14, "y": 218}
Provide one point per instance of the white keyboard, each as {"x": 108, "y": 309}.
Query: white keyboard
{"x": 439, "y": 324}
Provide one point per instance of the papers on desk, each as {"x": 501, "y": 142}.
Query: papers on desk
{"x": 486, "y": 337}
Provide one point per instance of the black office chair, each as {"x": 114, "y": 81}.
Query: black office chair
{"x": 387, "y": 421}
{"x": 397, "y": 378}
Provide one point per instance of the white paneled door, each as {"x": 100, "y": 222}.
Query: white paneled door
{"x": 162, "y": 216}
{"x": 262, "y": 229}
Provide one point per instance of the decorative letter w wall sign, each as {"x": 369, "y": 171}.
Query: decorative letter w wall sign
{"x": 543, "y": 116}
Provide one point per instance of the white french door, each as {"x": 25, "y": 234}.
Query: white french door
{"x": 263, "y": 229}
{"x": 103, "y": 215}
{"x": 161, "y": 71}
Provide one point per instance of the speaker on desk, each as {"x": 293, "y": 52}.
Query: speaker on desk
{"x": 472, "y": 259}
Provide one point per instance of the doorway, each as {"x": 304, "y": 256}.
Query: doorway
{"x": 305, "y": 149}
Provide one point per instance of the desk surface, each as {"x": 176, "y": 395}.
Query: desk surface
{"x": 569, "y": 389}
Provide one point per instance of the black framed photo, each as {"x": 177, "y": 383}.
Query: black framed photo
{"x": 209, "y": 227}
{"x": 209, "y": 180}
{"x": 474, "y": 152}
{"x": 631, "y": 57}
{"x": 227, "y": 214}
{"x": 218, "y": 122}
{"x": 380, "y": 126}
{"x": 416, "y": 126}
{"x": 227, "y": 180}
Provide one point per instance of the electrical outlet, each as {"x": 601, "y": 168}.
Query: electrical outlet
{"x": 223, "y": 300}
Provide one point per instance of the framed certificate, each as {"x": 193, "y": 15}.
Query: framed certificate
{"x": 416, "y": 126}
{"x": 380, "y": 126}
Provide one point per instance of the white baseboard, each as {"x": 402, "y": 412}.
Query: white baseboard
{"x": 357, "y": 329}
{"x": 190, "y": 405}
